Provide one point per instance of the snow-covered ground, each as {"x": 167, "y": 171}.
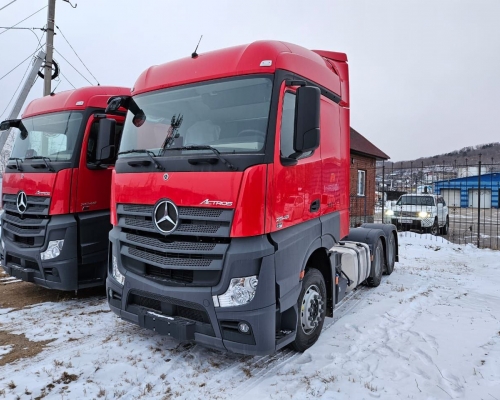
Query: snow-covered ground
{"x": 431, "y": 330}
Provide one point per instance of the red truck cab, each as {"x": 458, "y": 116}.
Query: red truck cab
{"x": 231, "y": 187}
{"x": 56, "y": 194}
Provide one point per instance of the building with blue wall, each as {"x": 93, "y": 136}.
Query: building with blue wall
{"x": 465, "y": 192}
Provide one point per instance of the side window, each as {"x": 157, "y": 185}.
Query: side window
{"x": 287, "y": 125}
{"x": 92, "y": 143}
{"x": 361, "y": 182}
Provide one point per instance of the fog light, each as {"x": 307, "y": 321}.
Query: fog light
{"x": 119, "y": 277}
{"x": 53, "y": 250}
{"x": 243, "y": 327}
{"x": 240, "y": 291}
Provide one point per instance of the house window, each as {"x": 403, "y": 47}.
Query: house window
{"x": 361, "y": 182}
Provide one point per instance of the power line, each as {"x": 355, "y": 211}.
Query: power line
{"x": 77, "y": 55}
{"x": 73, "y": 67}
{"x": 22, "y": 62}
{"x": 67, "y": 80}
{"x": 20, "y": 83}
{"x": 13, "y": 1}
{"x": 36, "y": 12}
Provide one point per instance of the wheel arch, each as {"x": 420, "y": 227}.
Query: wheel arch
{"x": 320, "y": 260}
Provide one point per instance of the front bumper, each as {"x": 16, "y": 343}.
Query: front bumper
{"x": 24, "y": 262}
{"x": 189, "y": 313}
{"x": 413, "y": 223}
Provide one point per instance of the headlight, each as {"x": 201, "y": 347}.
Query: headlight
{"x": 53, "y": 250}
{"x": 389, "y": 212}
{"x": 424, "y": 214}
{"x": 240, "y": 291}
{"x": 116, "y": 272}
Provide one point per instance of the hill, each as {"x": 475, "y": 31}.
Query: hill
{"x": 465, "y": 156}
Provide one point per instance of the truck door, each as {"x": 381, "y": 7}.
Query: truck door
{"x": 91, "y": 197}
{"x": 297, "y": 187}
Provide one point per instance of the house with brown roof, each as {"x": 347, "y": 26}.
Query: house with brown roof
{"x": 364, "y": 155}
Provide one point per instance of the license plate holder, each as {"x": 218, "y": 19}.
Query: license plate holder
{"x": 21, "y": 273}
{"x": 178, "y": 328}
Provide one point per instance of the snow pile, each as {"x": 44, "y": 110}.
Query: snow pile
{"x": 430, "y": 331}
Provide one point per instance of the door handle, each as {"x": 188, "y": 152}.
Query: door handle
{"x": 314, "y": 206}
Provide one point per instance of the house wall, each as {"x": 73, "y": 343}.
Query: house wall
{"x": 362, "y": 208}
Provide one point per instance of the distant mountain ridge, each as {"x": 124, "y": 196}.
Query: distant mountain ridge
{"x": 467, "y": 155}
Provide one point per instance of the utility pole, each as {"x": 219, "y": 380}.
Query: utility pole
{"x": 51, "y": 15}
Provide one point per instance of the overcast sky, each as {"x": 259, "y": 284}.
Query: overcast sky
{"x": 425, "y": 75}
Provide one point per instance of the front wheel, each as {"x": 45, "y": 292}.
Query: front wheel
{"x": 312, "y": 309}
{"x": 434, "y": 230}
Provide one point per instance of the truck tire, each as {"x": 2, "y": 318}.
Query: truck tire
{"x": 444, "y": 230}
{"x": 434, "y": 229}
{"x": 311, "y": 308}
{"x": 391, "y": 255}
{"x": 377, "y": 265}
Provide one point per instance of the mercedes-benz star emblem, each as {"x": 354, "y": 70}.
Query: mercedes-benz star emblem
{"x": 22, "y": 202}
{"x": 166, "y": 216}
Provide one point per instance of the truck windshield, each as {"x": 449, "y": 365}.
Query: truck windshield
{"x": 52, "y": 135}
{"x": 230, "y": 116}
{"x": 416, "y": 201}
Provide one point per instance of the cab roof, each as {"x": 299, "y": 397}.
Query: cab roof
{"x": 328, "y": 69}
{"x": 77, "y": 99}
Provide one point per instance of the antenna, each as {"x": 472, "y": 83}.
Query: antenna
{"x": 195, "y": 54}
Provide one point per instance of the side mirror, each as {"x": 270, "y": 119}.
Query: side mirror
{"x": 11, "y": 123}
{"x": 306, "y": 135}
{"x": 115, "y": 102}
{"x": 105, "y": 144}
{"x": 4, "y": 125}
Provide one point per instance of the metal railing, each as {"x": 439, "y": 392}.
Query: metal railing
{"x": 471, "y": 192}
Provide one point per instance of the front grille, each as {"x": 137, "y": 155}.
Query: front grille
{"x": 26, "y": 229}
{"x": 192, "y": 255}
{"x": 407, "y": 214}
{"x": 176, "y": 275}
{"x": 28, "y": 241}
{"x": 37, "y": 205}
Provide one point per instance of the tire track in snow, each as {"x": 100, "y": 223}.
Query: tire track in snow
{"x": 261, "y": 367}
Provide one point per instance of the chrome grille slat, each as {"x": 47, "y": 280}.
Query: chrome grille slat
{"x": 162, "y": 261}
{"x": 175, "y": 245}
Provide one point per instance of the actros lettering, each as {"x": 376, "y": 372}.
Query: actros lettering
{"x": 217, "y": 203}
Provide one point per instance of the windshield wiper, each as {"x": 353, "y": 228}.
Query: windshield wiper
{"x": 18, "y": 166}
{"x": 205, "y": 147}
{"x": 50, "y": 168}
{"x": 144, "y": 151}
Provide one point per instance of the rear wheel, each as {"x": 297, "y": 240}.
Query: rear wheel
{"x": 377, "y": 265}
{"x": 312, "y": 309}
{"x": 444, "y": 230}
{"x": 391, "y": 255}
